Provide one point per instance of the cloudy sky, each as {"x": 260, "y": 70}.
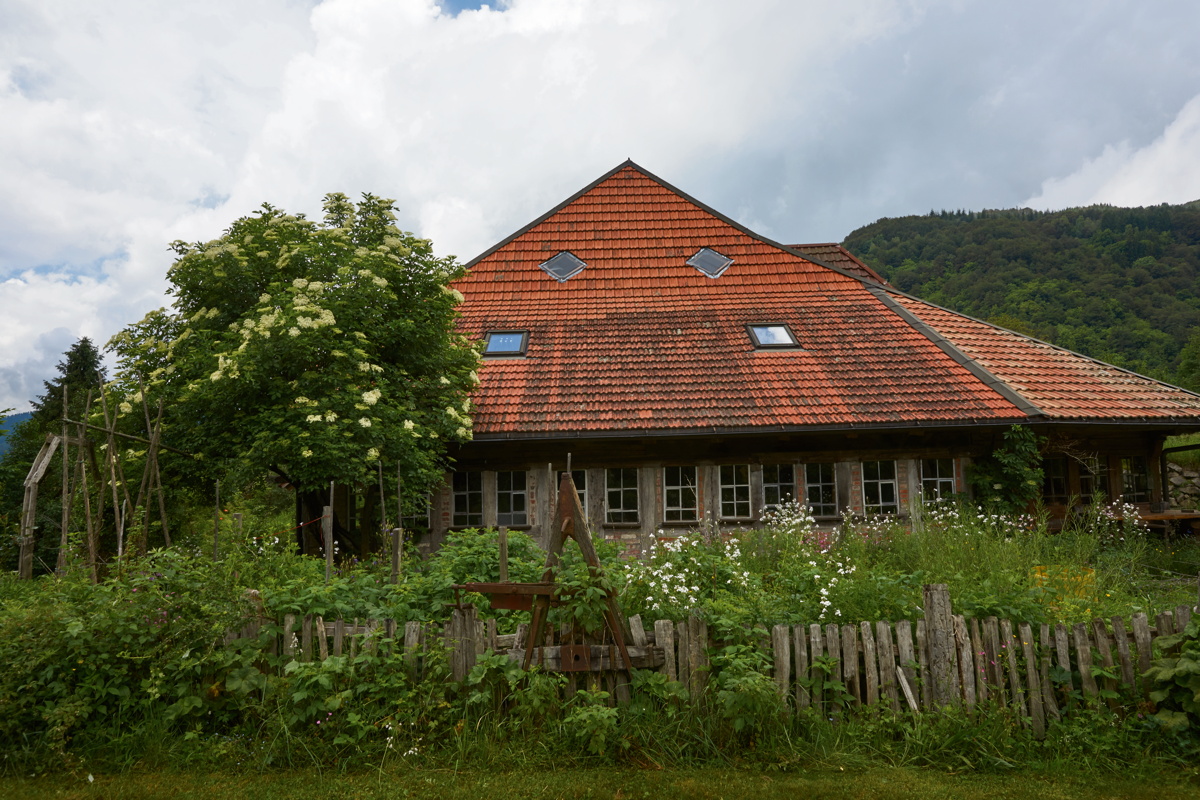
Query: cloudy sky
{"x": 127, "y": 124}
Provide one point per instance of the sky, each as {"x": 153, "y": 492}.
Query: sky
{"x": 129, "y": 124}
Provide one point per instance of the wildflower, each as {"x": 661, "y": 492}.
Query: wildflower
{"x": 330, "y": 416}
{"x": 363, "y": 421}
{"x": 306, "y": 453}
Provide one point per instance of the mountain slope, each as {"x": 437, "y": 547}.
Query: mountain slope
{"x": 1118, "y": 284}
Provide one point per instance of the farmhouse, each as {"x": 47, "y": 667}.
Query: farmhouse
{"x": 689, "y": 370}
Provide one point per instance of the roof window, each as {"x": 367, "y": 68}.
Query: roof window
{"x": 772, "y": 336}
{"x": 710, "y": 262}
{"x": 563, "y": 266}
{"x": 505, "y": 343}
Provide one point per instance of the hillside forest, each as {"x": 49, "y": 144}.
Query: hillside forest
{"x": 1117, "y": 284}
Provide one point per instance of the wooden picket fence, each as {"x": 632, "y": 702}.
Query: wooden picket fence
{"x": 834, "y": 669}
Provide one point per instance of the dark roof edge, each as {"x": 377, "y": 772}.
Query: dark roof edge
{"x": 892, "y": 290}
{"x": 990, "y": 379}
{"x": 674, "y": 190}
{"x": 800, "y": 248}
{"x": 775, "y": 430}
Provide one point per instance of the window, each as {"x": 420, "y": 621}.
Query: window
{"x": 710, "y": 262}
{"x": 879, "y": 487}
{"x": 779, "y": 485}
{"x": 579, "y": 477}
{"x": 937, "y": 478}
{"x": 1054, "y": 480}
{"x": 563, "y": 266}
{"x": 735, "y": 491}
{"x": 679, "y": 494}
{"x": 820, "y": 487}
{"x": 417, "y": 522}
{"x": 1135, "y": 480}
{"x": 1093, "y": 479}
{"x": 772, "y": 336}
{"x": 621, "y": 492}
{"x": 468, "y": 499}
{"x": 511, "y": 499}
{"x": 505, "y": 343}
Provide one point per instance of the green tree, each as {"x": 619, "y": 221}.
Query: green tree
{"x": 317, "y": 351}
{"x": 81, "y": 372}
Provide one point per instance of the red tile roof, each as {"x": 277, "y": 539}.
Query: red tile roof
{"x": 641, "y": 343}
{"x": 835, "y": 255}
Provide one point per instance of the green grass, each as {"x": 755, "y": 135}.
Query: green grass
{"x": 1187, "y": 458}
{"x": 614, "y": 783}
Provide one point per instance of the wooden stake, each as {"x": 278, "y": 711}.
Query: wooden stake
{"x": 61, "y": 566}
{"x": 503, "y": 541}
{"x": 217, "y": 523}
{"x": 327, "y": 536}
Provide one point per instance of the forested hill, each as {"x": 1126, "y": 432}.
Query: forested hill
{"x": 1119, "y": 284}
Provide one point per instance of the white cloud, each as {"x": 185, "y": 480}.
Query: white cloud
{"x": 127, "y": 126}
{"x": 1167, "y": 170}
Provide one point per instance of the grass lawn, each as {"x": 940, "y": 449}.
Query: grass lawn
{"x": 615, "y": 783}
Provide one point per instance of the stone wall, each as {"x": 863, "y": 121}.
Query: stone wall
{"x": 1184, "y": 485}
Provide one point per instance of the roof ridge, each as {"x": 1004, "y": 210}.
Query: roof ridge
{"x": 989, "y": 378}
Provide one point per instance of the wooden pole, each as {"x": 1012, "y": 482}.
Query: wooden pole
{"x": 327, "y": 537}
{"x": 503, "y": 538}
{"x": 61, "y": 565}
{"x": 217, "y": 522}
{"x": 397, "y": 553}
{"x": 383, "y": 526}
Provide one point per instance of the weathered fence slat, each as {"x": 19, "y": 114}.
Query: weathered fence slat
{"x": 1083, "y": 657}
{"x": 1062, "y": 650}
{"x": 923, "y": 665}
{"x": 870, "y": 665}
{"x": 833, "y": 648}
{"x": 887, "y": 664}
{"x": 979, "y": 655}
{"x": 966, "y": 660}
{"x": 781, "y": 651}
{"x": 1165, "y": 623}
{"x": 818, "y": 674}
{"x": 939, "y": 638}
{"x": 1121, "y": 638}
{"x": 1044, "y": 673}
{"x": 1106, "y": 659}
{"x": 1008, "y": 648}
{"x": 995, "y": 659}
{"x": 850, "y": 663}
{"x": 637, "y": 633}
{"x": 1033, "y": 685}
{"x": 412, "y": 641}
{"x": 800, "y": 646}
{"x": 908, "y": 662}
{"x": 683, "y": 662}
{"x": 1183, "y": 615}
{"x": 306, "y": 640}
{"x": 322, "y": 640}
{"x": 697, "y": 644}
{"x": 339, "y": 634}
{"x": 289, "y": 640}
{"x": 1141, "y": 638}
{"x": 664, "y": 637}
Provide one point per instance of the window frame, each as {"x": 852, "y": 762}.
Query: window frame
{"x": 463, "y": 519}
{"x": 778, "y": 485}
{"x": 1056, "y": 481}
{"x": 1093, "y": 478}
{"x": 581, "y": 488}
{"x": 821, "y": 483}
{"x": 513, "y": 518}
{"x": 622, "y": 489}
{"x": 734, "y": 485}
{"x": 794, "y": 344}
{"x": 520, "y": 351}
{"x": 679, "y": 509}
{"x": 1142, "y": 476}
{"x": 880, "y": 482}
{"x": 937, "y": 480}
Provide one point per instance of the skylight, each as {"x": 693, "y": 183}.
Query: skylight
{"x": 710, "y": 262}
{"x": 563, "y": 266}
{"x": 505, "y": 343}
{"x": 773, "y": 335}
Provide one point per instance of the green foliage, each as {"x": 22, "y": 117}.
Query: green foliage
{"x": 1010, "y": 479}
{"x": 317, "y": 350}
{"x": 1175, "y": 678}
{"x": 746, "y": 694}
{"x": 1118, "y": 284}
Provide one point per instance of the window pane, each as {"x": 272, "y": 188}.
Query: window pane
{"x": 511, "y": 498}
{"x": 622, "y": 495}
{"x": 679, "y": 494}
{"x": 779, "y": 485}
{"x": 821, "y": 489}
{"x": 735, "y": 491}
{"x": 505, "y": 343}
{"x": 937, "y": 478}
{"x": 467, "y": 499}
{"x": 879, "y": 487}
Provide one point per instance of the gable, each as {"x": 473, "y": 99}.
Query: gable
{"x": 637, "y": 342}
